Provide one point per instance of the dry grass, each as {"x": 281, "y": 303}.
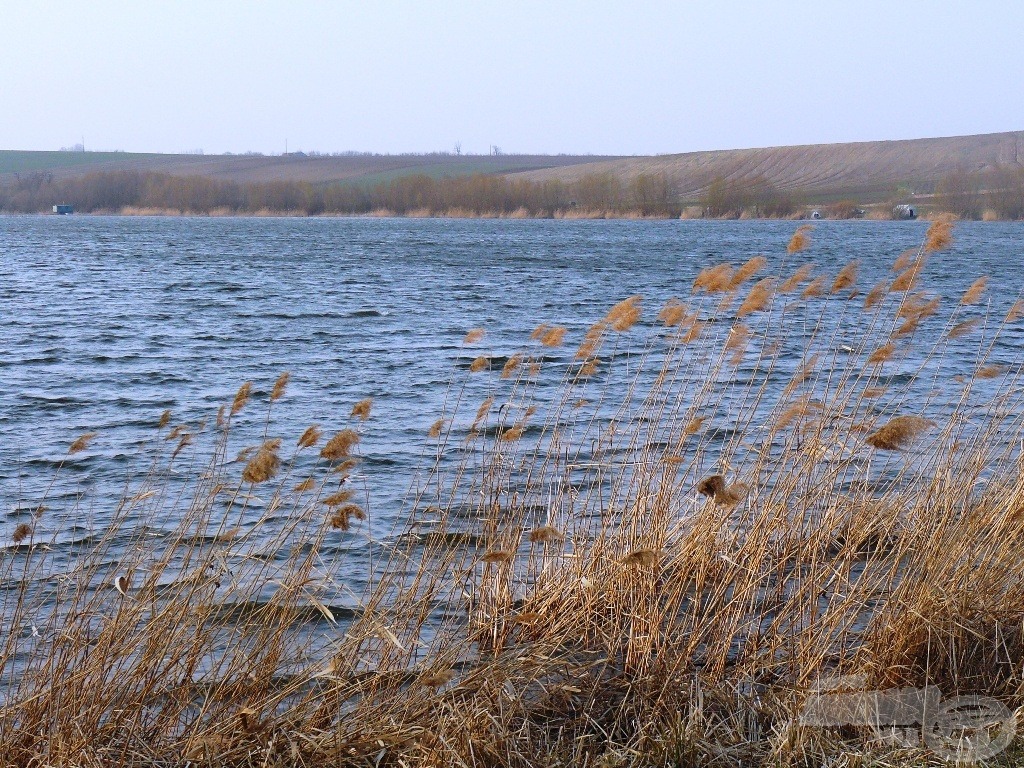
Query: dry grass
{"x": 655, "y": 566}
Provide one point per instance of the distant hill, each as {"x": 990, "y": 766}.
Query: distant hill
{"x": 864, "y": 170}
{"x": 293, "y": 167}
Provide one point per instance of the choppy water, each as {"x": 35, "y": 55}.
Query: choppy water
{"x": 105, "y": 322}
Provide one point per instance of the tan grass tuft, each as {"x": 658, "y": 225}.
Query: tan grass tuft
{"x": 278, "y": 390}
{"x": 341, "y": 517}
{"x": 872, "y": 393}
{"x": 483, "y": 410}
{"x": 165, "y": 418}
{"x": 589, "y": 368}
{"x": 339, "y": 446}
{"x": 693, "y": 425}
{"x": 346, "y": 466}
{"x": 306, "y": 485}
{"x": 241, "y": 397}
{"x": 361, "y": 410}
{"x": 939, "y": 234}
{"x": 591, "y": 341}
{"x": 794, "y": 281}
{"x": 435, "y": 428}
{"x": 479, "y": 364}
{"x": 973, "y": 294}
{"x": 905, "y": 281}
{"x": 847, "y": 278}
{"x": 473, "y": 336}
{"x": 310, "y": 437}
{"x": 759, "y": 298}
{"x": 715, "y": 488}
{"x": 899, "y": 433}
{"x": 800, "y": 240}
{"x": 81, "y": 443}
{"x": 545, "y": 533}
{"x": 963, "y": 329}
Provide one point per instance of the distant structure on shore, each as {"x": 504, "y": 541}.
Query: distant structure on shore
{"x": 904, "y": 211}
{"x": 63, "y": 209}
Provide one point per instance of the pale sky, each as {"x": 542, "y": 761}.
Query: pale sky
{"x": 545, "y": 77}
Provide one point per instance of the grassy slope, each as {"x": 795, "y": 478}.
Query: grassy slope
{"x": 863, "y": 170}
{"x": 244, "y": 168}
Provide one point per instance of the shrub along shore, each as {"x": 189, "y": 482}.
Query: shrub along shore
{"x": 601, "y": 195}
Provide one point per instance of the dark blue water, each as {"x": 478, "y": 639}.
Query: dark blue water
{"x": 105, "y": 321}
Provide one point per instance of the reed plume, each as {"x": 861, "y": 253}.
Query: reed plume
{"x": 641, "y": 558}
{"x": 815, "y": 288}
{"x": 339, "y": 446}
{"x": 435, "y": 428}
{"x": 553, "y": 336}
{"x": 846, "y": 278}
{"x": 673, "y": 313}
{"x": 993, "y": 371}
{"x": 909, "y": 257}
{"x": 473, "y": 336}
{"x": 165, "y": 418}
{"x": 794, "y": 281}
{"x": 974, "y": 293}
{"x": 264, "y": 465}
{"x": 905, "y": 281}
{"x": 724, "y": 494}
{"x": 511, "y": 365}
{"x": 625, "y": 314}
{"x": 800, "y": 240}
{"x": 963, "y": 329}
{"x": 341, "y": 517}
{"x": 939, "y": 234}
{"x": 338, "y": 498}
{"x": 81, "y": 443}
{"x": 899, "y": 433}
{"x": 479, "y": 364}
{"x": 22, "y": 531}
{"x": 1016, "y": 311}
{"x": 716, "y": 279}
{"x": 361, "y": 410}
{"x": 882, "y": 354}
{"x": 545, "y": 534}
{"x": 278, "y": 390}
{"x": 591, "y": 341}
{"x": 747, "y": 270}
{"x": 876, "y": 294}
{"x": 241, "y": 397}
{"x": 759, "y": 298}
{"x": 310, "y": 437}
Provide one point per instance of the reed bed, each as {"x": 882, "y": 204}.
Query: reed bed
{"x": 647, "y": 544}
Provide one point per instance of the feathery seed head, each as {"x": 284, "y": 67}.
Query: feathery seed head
{"x": 241, "y": 397}
{"x": 278, "y": 390}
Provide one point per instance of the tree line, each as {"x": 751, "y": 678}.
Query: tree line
{"x": 646, "y": 195}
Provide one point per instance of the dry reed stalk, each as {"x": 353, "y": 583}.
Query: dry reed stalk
{"x": 591, "y": 341}
{"x": 905, "y": 281}
{"x": 800, "y": 240}
{"x": 264, "y": 465}
{"x": 899, "y": 432}
{"x": 909, "y": 257}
